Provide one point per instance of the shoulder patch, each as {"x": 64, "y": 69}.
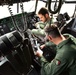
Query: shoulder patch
{"x": 58, "y": 62}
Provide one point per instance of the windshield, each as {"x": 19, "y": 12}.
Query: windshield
{"x": 28, "y": 7}
{"x": 68, "y": 6}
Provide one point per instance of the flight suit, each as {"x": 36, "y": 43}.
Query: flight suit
{"x": 40, "y": 28}
{"x": 64, "y": 62}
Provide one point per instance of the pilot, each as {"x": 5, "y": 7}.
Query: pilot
{"x": 45, "y": 20}
{"x": 64, "y": 62}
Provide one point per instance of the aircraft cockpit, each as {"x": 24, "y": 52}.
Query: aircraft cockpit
{"x": 17, "y": 43}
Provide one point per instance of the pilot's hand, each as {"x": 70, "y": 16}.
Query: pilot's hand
{"x": 39, "y": 53}
{"x": 42, "y": 46}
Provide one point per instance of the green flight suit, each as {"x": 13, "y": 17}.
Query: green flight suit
{"x": 50, "y": 44}
{"x": 40, "y": 28}
{"x": 64, "y": 62}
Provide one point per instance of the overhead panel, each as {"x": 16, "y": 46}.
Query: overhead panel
{"x": 10, "y": 2}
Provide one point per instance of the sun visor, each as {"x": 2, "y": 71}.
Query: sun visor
{"x": 10, "y": 2}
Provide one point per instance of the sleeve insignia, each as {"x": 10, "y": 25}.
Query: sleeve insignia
{"x": 58, "y": 62}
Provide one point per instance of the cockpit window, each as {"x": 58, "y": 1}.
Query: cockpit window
{"x": 28, "y": 7}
